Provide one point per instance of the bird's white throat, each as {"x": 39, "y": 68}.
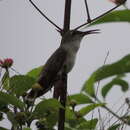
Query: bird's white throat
{"x": 73, "y": 46}
{"x": 72, "y": 49}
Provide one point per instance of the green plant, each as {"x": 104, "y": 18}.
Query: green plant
{"x": 21, "y": 113}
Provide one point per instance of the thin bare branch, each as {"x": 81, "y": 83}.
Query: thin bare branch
{"x": 97, "y": 17}
{"x": 106, "y": 58}
{"x": 34, "y": 5}
{"x": 87, "y": 10}
{"x": 99, "y": 84}
{"x": 13, "y": 69}
{"x": 113, "y": 113}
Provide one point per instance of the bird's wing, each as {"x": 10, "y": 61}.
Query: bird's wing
{"x": 52, "y": 67}
{"x": 49, "y": 72}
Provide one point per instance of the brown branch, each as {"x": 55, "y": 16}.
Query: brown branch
{"x": 34, "y": 5}
{"x": 97, "y": 17}
{"x": 63, "y": 96}
{"x": 67, "y": 14}
{"x": 63, "y": 93}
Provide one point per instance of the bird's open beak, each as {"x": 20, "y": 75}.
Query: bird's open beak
{"x": 91, "y": 32}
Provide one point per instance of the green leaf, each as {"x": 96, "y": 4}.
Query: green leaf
{"x": 11, "y": 118}
{"x": 68, "y": 127}
{"x": 115, "y": 16}
{"x": 80, "y": 98}
{"x": 5, "y": 80}
{"x": 3, "y": 107}
{"x": 2, "y": 103}
{"x": 52, "y": 119}
{"x": 19, "y": 84}
{"x": 116, "y": 81}
{"x": 10, "y": 99}
{"x": 89, "y": 85}
{"x": 2, "y": 128}
{"x": 35, "y": 72}
{"x": 69, "y": 114}
{"x": 27, "y": 129}
{"x": 74, "y": 123}
{"x": 85, "y": 110}
{"x": 114, "y": 127}
{"x": 47, "y": 105}
{"x": 1, "y": 116}
{"x": 88, "y": 125}
{"x": 120, "y": 67}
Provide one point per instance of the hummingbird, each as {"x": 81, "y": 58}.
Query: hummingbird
{"x": 64, "y": 56}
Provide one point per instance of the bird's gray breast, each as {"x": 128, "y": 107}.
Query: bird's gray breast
{"x": 72, "y": 50}
{"x": 70, "y": 61}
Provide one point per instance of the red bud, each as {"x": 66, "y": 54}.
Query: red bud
{"x": 6, "y": 63}
{"x": 118, "y": 2}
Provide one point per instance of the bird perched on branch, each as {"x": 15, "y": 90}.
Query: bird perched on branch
{"x": 64, "y": 56}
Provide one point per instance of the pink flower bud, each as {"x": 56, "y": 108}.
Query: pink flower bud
{"x": 1, "y": 62}
{"x": 6, "y": 63}
{"x": 118, "y": 2}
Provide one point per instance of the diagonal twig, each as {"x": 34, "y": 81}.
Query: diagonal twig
{"x": 34, "y": 5}
{"x": 87, "y": 10}
{"x": 97, "y": 17}
{"x": 13, "y": 69}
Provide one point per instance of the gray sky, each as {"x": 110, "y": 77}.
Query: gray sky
{"x": 29, "y": 39}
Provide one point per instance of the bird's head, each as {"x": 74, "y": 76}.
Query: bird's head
{"x": 74, "y": 35}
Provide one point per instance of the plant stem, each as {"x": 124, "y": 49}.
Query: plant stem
{"x": 63, "y": 88}
{"x": 63, "y": 95}
{"x": 67, "y": 14}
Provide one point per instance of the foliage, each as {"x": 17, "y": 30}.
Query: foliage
{"x": 116, "y": 81}
{"x": 115, "y": 69}
{"x": 21, "y": 113}
{"x": 115, "y": 16}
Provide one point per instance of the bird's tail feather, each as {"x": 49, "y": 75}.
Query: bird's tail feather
{"x": 37, "y": 91}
